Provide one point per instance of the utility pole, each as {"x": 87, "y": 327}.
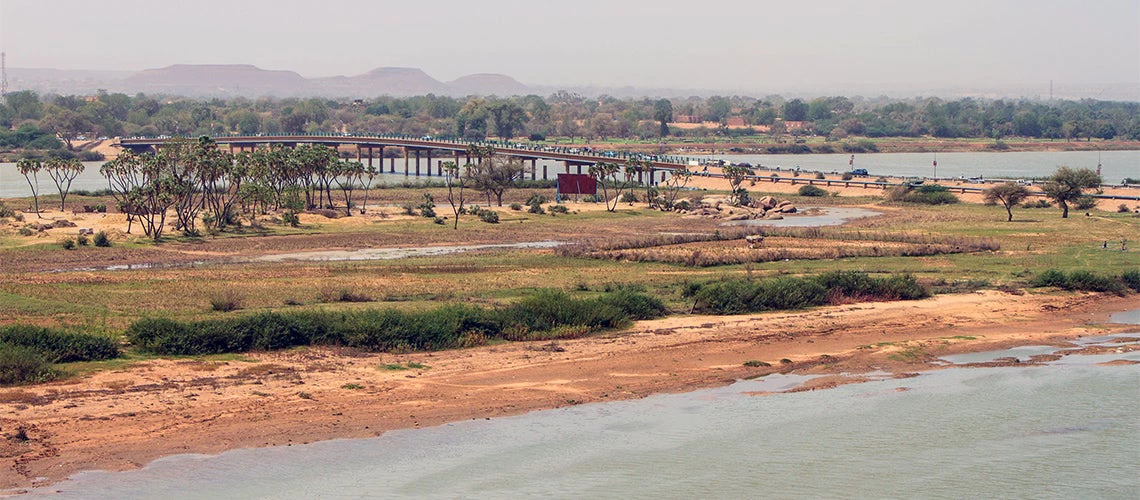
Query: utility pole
{"x": 3, "y": 73}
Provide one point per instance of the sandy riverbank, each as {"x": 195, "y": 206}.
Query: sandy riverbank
{"x": 122, "y": 419}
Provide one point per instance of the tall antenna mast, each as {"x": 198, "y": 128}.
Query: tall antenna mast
{"x": 3, "y": 73}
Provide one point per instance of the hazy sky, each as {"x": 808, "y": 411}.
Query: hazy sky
{"x": 662, "y": 43}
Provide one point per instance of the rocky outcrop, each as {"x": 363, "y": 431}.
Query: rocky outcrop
{"x": 720, "y": 207}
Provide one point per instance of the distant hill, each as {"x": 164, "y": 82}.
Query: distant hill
{"x": 214, "y": 80}
{"x": 487, "y": 84}
{"x": 380, "y": 81}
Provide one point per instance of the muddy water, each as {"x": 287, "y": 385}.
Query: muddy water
{"x": 1059, "y": 431}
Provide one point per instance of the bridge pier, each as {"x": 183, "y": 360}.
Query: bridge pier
{"x": 391, "y": 164}
{"x": 544, "y": 177}
{"x": 457, "y": 164}
{"x": 405, "y": 162}
{"x": 418, "y": 164}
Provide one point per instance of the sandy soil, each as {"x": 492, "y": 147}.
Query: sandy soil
{"x": 124, "y": 418}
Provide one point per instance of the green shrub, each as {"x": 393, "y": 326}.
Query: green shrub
{"x": 848, "y": 176}
{"x": 1131, "y": 279}
{"x": 538, "y": 198}
{"x": 744, "y": 296}
{"x": 20, "y": 365}
{"x": 820, "y": 176}
{"x": 69, "y": 244}
{"x": 225, "y": 301}
{"x": 559, "y": 209}
{"x": 290, "y": 218}
{"x": 489, "y": 216}
{"x": 516, "y": 206}
{"x": 629, "y": 197}
{"x": 812, "y": 191}
{"x": 59, "y": 346}
{"x": 544, "y": 315}
{"x": 6, "y": 212}
{"x": 1082, "y": 280}
{"x": 536, "y": 208}
{"x": 82, "y": 240}
{"x": 26, "y": 231}
{"x": 1085, "y": 202}
{"x": 101, "y": 239}
{"x": 1038, "y": 203}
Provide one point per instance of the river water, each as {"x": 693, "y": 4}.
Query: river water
{"x": 1116, "y": 165}
{"x": 1066, "y": 430}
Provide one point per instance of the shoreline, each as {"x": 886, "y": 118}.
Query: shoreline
{"x": 122, "y": 419}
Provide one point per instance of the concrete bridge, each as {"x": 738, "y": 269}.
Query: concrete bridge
{"x": 371, "y": 147}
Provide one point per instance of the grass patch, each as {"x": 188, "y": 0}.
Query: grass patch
{"x": 784, "y": 293}
{"x": 545, "y": 314}
{"x": 1087, "y": 281}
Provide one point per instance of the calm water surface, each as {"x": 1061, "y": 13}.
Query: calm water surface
{"x": 1068, "y": 430}
{"x": 1116, "y": 165}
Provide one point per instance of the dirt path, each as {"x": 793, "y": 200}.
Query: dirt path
{"x": 122, "y": 419}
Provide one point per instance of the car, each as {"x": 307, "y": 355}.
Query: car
{"x": 861, "y": 172}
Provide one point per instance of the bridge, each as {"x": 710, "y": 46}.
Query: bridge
{"x": 371, "y": 147}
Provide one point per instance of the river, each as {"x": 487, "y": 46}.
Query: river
{"x": 1116, "y": 165}
{"x": 1065, "y": 430}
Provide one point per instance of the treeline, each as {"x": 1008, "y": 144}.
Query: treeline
{"x": 75, "y": 118}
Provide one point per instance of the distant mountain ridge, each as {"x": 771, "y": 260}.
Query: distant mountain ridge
{"x": 231, "y": 80}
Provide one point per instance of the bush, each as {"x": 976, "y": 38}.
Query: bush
{"x": 290, "y": 218}
{"x": 20, "y": 365}
{"x": 536, "y": 208}
{"x": 931, "y": 194}
{"x": 5, "y": 211}
{"x": 812, "y": 191}
{"x": 544, "y": 315}
{"x": 101, "y": 239}
{"x": 559, "y": 209}
{"x": 820, "y": 176}
{"x": 59, "y": 346}
{"x": 1131, "y": 279}
{"x": 68, "y": 244}
{"x": 82, "y": 240}
{"x": 848, "y": 176}
{"x": 26, "y": 231}
{"x": 516, "y": 206}
{"x": 629, "y": 197}
{"x": 1039, "y": 203}
{"x": 226, "y": 301}
{"x": 538, "y": 198}
{"x": 1122, "y": 209}
{"x": 1084, "y": 203}
{"x": 489, "y": 216}
{"x": 1083, "y": 281}
{"x": 744, "y": 296}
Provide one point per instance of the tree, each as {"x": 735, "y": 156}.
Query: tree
{"x": 607, "y": 175}
{"x": 29, "y": 168}
{"x": 509, "y": 118}
{"x": 677, "y": 180}
{"x": 62, "y": 173}
{"x": 795, "y": 110}
{"x": 663, "y": 113}
{"x": 1008, "y": 194}
{"x": 68, "y": 124}
{"x": 347, "y": 174}
{"x": 456, "y": 179}
{"x": 1066, "y": 184}
{"x": 736, "y": 175}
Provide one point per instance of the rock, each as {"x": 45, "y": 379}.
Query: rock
{"x": 739, "y": 217}
{"x": 786, "y": 209}
{"x": 86, "y": 230}
{"x": 41, "y": 227}
{"x": 63, "y": 223}
{"x": 766, "y": 202}
{"x": 773, "y": 216}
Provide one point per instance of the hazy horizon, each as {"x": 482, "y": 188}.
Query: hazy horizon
{"x": 724, "y": 45}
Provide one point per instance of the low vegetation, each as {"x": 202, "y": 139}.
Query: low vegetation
{"x": 1088, "y": 281}
{"x": 741, "y": 296}
{"x": 544, "y": 315}
{"x": 28, "y": 353}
